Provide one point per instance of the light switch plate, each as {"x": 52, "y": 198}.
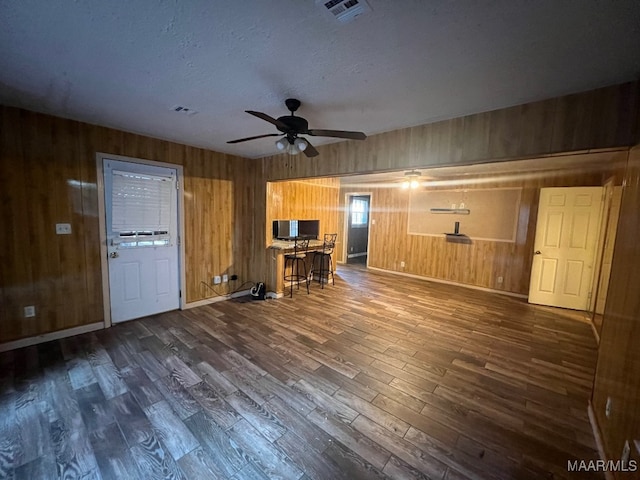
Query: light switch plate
{"x": 63, "y": 228}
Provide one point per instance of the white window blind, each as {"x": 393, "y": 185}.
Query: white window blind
{"x": 141, "y": 203}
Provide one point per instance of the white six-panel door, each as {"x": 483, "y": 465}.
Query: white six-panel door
{"x": 141, "y": 211}
{"x": 565, "y": 243}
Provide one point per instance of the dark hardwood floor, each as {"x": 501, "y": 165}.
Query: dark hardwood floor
{"x": 379, "y": 376}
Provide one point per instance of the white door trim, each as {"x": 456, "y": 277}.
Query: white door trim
{"x": 104, "y": 267}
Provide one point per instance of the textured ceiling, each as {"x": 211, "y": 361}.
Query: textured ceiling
{"x": 408, "y": 62}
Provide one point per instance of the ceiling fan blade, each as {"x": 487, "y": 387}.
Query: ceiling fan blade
{"x": 337, "y": 134}
{"x": 254, "y": 138}
{"x": 310, "y": 151}
{"x": 281, "y": 126}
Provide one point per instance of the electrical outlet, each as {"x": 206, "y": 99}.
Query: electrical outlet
{"x": 217, "y": 280}
{"x": 225, "y": 278}
{"x": 608, "y": 407}
{"x": 500, "y": 279}
{"x": 63, "y": 228}
{"x": 401, "y": 264}
{"x": 29, "y": 311}
{"x": 234, "y": 277}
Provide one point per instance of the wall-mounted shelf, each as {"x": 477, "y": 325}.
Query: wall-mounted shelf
{"x": 456, "y": 231}
{"x": 455, "y": 211}
{"x": 458, "y": 238}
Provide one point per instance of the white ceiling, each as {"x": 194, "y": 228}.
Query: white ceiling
{"x": 408, "y": 62}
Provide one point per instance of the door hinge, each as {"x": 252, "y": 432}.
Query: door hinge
{"x": 178, "y": 240}
{"x": 179, "y": 293}
{"x": 177, "y": 185}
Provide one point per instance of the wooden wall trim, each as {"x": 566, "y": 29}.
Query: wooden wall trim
{"x": 447, "y": 282}
{"x": 47, "y": 337}
{"x": 221, "y": 298}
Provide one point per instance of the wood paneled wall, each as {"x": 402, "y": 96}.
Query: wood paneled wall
{"x": 618, "y": 370}
{"x": 596, "y": 119}
{"x": 314, "y": 199}
{"x": 480, "y": 262}
{"x": 601, "y": 118}
{"x": 48, "y": 176}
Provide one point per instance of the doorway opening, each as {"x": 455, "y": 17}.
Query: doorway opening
{"x": 357, "y": 228}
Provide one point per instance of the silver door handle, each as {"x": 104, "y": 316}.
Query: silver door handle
{"x": 114, "y": 255}
{"x": 537, "y": 252}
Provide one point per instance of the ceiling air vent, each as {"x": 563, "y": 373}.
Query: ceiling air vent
{"x": 183, "y": 109}
{"x": 344, "y": 10}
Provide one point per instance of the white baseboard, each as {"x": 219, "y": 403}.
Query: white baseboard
{"x": 221, "y": 298}
{"x": 598, "y": 437}
{"x": 448, "y": 282}
{"x": 47, "y": 337}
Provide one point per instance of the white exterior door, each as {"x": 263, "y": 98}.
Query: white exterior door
{"x": 565, "y": 243}
{"x": 141, "y": 210}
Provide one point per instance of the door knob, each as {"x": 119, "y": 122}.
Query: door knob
{"x": 114, "y": 255}
{"x": 537, "y": 252}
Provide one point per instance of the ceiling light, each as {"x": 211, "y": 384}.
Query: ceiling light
{"x": 411, "y": 179}
{"x": 282, "y": 143}
{"x": 301, "y": 144}
{"x": 292, "y": 147}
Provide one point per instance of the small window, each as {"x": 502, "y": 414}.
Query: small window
{"x": 359, "y": 212}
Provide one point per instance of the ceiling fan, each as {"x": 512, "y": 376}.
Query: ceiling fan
{"x": 292, "y": 126}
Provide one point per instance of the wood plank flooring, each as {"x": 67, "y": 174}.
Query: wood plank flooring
{"x": 379, "y": 376}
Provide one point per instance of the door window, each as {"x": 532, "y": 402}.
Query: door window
{"x": 359, "y": 212}
{"x": 141, "y": 210}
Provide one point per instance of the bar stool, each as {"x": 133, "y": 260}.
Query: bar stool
{"x": 324, "y": 255}
{"x": 296, "y": 261}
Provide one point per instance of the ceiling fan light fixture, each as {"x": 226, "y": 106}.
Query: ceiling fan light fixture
{"x": 293, "y": 149}
{"x": 301, "y": 144}
{"x": 282, "y": 143}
